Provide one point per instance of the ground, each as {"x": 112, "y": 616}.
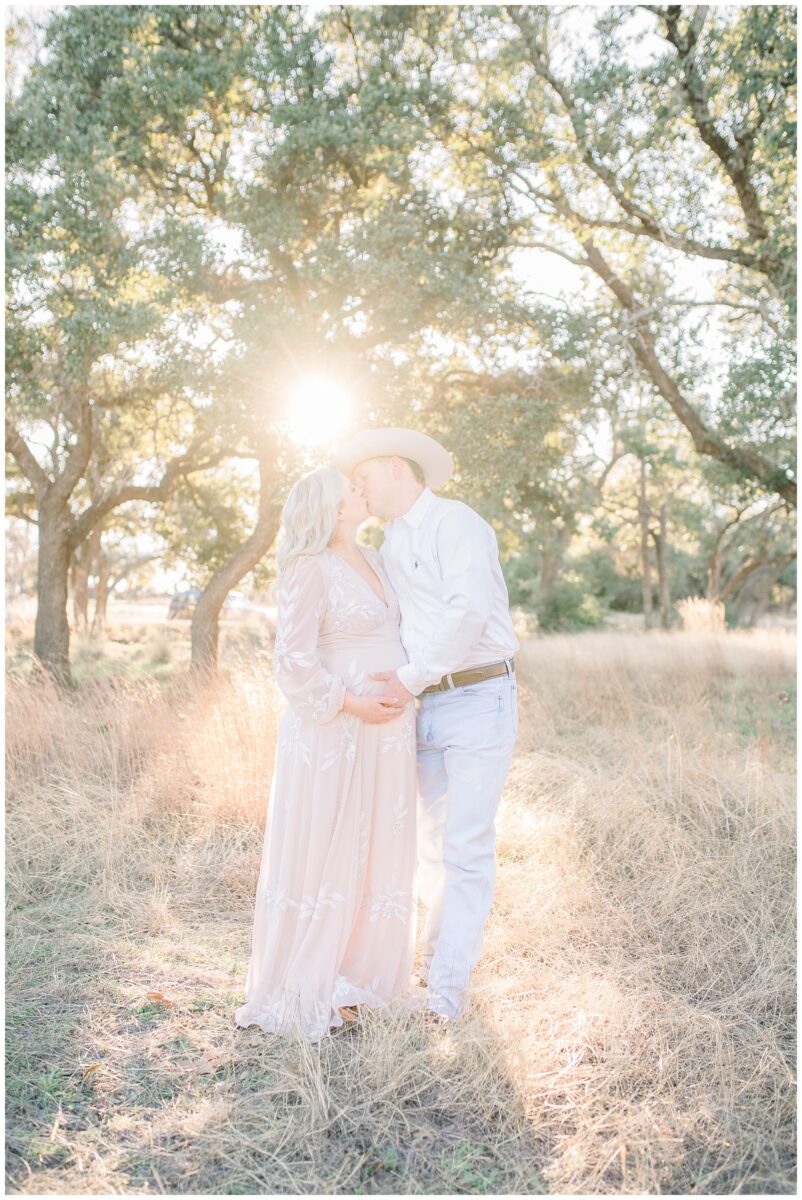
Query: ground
{"x": 632, "y": 1027}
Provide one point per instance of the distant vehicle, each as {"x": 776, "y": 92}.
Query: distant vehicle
{"x": 182, "y": 604}
{"x": 237, "y": 600}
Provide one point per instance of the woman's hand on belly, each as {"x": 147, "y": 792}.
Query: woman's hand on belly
{"x": 374, "y": 710}
{"x": 393, "y": 686}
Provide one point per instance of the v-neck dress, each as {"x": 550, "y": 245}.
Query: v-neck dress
{"x": 334, "y": 921}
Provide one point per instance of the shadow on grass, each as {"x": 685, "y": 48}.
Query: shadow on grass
{"x": 127, "y": 1074}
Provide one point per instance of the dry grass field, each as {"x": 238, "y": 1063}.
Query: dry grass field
{"x": 633, "y": 1024}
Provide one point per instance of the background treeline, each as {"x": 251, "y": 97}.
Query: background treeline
{"x": 205, "y": 204}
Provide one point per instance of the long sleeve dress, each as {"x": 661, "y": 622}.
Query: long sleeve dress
{"x": 334, "y": 921}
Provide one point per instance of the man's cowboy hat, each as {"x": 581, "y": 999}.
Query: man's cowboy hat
{"x": 432, "y": 458}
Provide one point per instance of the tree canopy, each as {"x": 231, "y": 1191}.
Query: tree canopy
{"x": 207, "y": 204}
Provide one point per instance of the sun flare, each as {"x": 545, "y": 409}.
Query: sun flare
{"x": 318, "y": 411}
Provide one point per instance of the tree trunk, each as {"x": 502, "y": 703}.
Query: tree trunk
{"x": 714, "y": 574}
{"x": 548, "y": 576}
{"x": 664, "y": 579}
{"x": 754, "y": 596}
{"x": 646, "y": 567}
{"x": 744, "y": 603}
{"x": 206, "y": 617}
{"x": 79, "y": 580}
{"x": 92, "y": 551}
{"x": 552, "y": 559}
{"x": 51, "y": 641}
{"x": 762, "y": 589}
{"x": 60, "y": 534}
{"x": 101, "y": 590}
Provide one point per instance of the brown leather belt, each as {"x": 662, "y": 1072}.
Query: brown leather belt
{"x": 472, "y": 675}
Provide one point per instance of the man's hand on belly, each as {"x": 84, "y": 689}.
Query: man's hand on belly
{"x": 394, "y": 687}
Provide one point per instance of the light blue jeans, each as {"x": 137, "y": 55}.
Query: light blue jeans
{"x": 465, "y": 742}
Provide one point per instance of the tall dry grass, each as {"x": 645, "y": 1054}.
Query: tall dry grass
{"x": 633, "y": 1024}
{"x": 700, "y": 614}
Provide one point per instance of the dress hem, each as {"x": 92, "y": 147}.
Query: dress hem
{"x": 344, "y": 993}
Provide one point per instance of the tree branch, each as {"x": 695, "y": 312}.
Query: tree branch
{"x": 705, "y": 440}
{"x": 18, "y": 504}
{"x": 25, "y": 460}
{"x": 734, "y": 160}
{"x": 183, "y": 464}
{"x": 206, "y": 615}
{"x": 531, "y": 245}
{"x": 646, "y": 223}
{"x": 780, "y": 561}
{"x": 78, "y": 459}
{"x": 676, "y": 241}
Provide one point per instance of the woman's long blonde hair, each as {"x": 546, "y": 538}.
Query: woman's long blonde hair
{"x": 309, "y": 516}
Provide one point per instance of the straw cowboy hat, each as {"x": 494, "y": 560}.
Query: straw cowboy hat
{"x": 432, "y": 458}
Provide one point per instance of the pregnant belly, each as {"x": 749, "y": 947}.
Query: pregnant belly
{"x": 358, "y": 659}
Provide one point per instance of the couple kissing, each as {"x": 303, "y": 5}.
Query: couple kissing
{"x": 392, "y": 753}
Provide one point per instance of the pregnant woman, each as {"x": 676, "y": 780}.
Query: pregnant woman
{"x": 334, "y": 925}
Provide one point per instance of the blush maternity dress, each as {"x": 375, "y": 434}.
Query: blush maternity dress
{"x": 334, "y": 921}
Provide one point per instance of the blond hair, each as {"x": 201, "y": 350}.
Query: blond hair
{"x": 309, "y": 516}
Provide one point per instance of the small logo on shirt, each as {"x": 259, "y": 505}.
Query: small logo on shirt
{"x": 416, "y": 564}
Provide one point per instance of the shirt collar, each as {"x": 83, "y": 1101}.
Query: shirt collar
{"x": 414, "y": 516}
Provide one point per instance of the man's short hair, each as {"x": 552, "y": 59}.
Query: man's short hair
{"x": 414, "y": 467}
{"x": 416, "y": 470}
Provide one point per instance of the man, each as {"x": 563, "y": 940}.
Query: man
{"x": 442, "y": 559}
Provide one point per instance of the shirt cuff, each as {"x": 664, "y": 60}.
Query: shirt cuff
{"x": 411, "y": 678}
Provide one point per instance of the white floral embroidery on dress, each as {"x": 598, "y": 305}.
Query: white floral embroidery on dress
{"x": 345, "y": 991}
{"x": 398, "y": 740}
{"x": 295, "y": 745}
{"x": 312, "y": 906}
{"x": 342, "y": 988}
{"x": 364, "y": 842}
{"x": 336, "y": 590}
{"x": 358, "y": 679}
{"x": 389, "y": 903}
{"x": 320, "y": 708}
{"x": 363, "y": 606}
{"x": 344, "y": 751}
{"x": 408, "y": 734}
{"x": 400, "y": 810}
{"x": 277, "y": 898}
{"x": 289, "y": 658}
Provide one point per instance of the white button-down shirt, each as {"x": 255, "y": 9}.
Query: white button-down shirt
{"x": 442, "y": 559}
